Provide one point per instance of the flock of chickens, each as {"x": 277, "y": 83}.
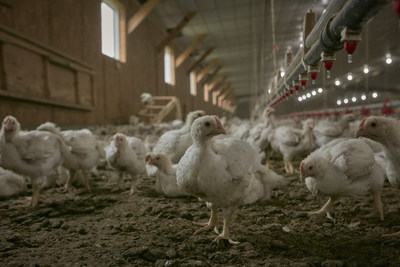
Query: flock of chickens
{"x": 225, "y": 163}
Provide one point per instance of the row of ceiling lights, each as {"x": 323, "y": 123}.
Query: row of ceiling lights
{"x": 354, "y": 99}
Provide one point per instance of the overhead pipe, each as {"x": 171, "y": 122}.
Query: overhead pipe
{"x": 354, "y": 15}
{"x": 391, "y": 104}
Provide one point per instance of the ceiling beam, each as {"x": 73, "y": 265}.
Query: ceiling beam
{"x": 204, "y": 71}
{"x": 209, "y": 50}
{"x": 214, "y": 74}
{"x": 189, "y": 49}
{"x": 217, "y": 79}
{"x": 142, "y": 13}
{"x": 223, "y": 96}
{"x": 218, "y": 91}
{"x": 176, "y": 31}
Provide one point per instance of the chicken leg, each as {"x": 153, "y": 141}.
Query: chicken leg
{"x": 212, "y": 223}
{"x": 226, "y": 227}
{"x": 397, "y": 234}
{"x": 327, "y": 208}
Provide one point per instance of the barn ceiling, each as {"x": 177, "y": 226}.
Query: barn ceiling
{"x": 242, "y": 33}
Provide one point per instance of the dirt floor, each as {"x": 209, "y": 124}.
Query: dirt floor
{"x": 105, "y": 228}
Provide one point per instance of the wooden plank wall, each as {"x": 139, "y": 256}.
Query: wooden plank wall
{"x": 72, "y": 27}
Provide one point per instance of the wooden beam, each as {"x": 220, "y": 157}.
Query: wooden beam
{"x": 209, "y": 50}
{"x": 142, "y": 13}
{"x": 217, "y": 79}
{"x": 189, "y": 50}
{"x": 218, "y": 91}
{"x": 222, "y": 97}
{"x": 204, "y": 71}
{"x": 214, "y": 73}
{"x": 176, "y": 31}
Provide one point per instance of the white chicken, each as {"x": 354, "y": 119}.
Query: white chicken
{"x": 223, "y": 172}
{"x": 326, "y": 131}
{"x": 127, "y": 155}
{"x": 166, "y": 176}
{"x": 84, "y": 154}
{"x": 11, "y": 183}
{"x": 386, "y": 131}
{"x": 291, "y": 142}
{"x": 39, "y": 153}
{"x": 174, "y": 143}
{"x": 344, "y": 167}
{"x": 146, "y": 99}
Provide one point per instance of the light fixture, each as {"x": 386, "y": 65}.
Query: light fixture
{"x": 269, "y": 91}
{"x": 320, "y": 90}
{"x": 337, "y": 82}
{"x": 304, "y": 97}
{"x": 349, "y": 76}
{"x": 313, "y": 92}
{"x": 339, "y": 102}
{"x": 282, "y": 74}
{"x": 374, "y": 94}
{"x": 366, "y": 69}
{"x": 354, "y": 99}
{"x": 308, "y": 95}
{"x": 300, "y": 99}
{"x": 388, "y": 59}
{"x": 345, "y": 101}
{"x": 363, "y": 97}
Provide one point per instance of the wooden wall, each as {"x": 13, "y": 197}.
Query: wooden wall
{"x": 73, "y": 28}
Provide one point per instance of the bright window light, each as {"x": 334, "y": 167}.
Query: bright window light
{"x": 300, "y": 99}
{"x": 206, "y": 91}
{"x": 109, "y": 31}
{"x": 304, "y": 97}
{"x": 169, "y": 66}
{"x": 354, "y": 99}
{"x": 337, "y": 82}
{"x": 193, "y": 83}
{"x": 349, "y": 76}
{"x": 112, "y": 23}
{"x": 320, "y": 90}
{"x": 339, "y": 102}
{"x": 375, "y": 95}
{"x": 363, "y": 97}
{"x": 345, "y": 101}
{"x": 308, "y": 95}
{"x": 313, "y": 92}
{"x": 366, "y": 69}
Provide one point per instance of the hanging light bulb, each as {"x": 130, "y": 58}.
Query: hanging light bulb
{"x": 363, "y": 97}
{"x": 366, "y": 69}
{"x": 313, "y": 92}
{"x": 374, "y": 94}
{"x": 345, "y": 101}
{"x": 353, "y": 99}
{"x": 349, "y": 76}
{"x": 320, "y": 90}
{"x": 339, "y": 102}
{"x": 300, "y": 99}
{"x": 388, "y": 59}
{"x": 337, "y": 82}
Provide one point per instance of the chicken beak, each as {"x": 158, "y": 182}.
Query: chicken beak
{"x": 302, "y": 176}
{"x": 151, "y": 160}
{"x": 220, "y": 129}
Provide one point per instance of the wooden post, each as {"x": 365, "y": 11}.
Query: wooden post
{"x": 139, "y": 16}
{"x": 176, "y": 31}
{"x": 204, "y": 71}
{"x": 189, "y": 50}
{"x": 209, "y": 50}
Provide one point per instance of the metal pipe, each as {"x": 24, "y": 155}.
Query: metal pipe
{"x": 332, "y": 9}
{"x": 354, "y": 15}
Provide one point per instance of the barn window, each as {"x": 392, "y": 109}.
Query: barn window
{"x": 193, "y": 83}
{"x": 113, "y": 30}
{"x": 169, "y": 63}
{"x": 206, "y": 91}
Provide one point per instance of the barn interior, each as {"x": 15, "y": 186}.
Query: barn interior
{"x": 141, "y": 69}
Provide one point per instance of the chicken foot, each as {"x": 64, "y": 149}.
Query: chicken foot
{"x": 326, "y": 209}
{"x": 212, "y": 223}
{"x": 226, "y": 228}
{"x": 378, "y": 206}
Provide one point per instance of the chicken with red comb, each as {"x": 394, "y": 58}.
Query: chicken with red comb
{"x": 386, "y": 131}
{"x": 225, "y": 172}
{"x": 345, "y": 167}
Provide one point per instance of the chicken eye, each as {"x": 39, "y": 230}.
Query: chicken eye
{"x": 310, "y": 168}
{"x": 157, "y": 158}
{"x": 207, "y": 123}
{"x": 373, "y": 124}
